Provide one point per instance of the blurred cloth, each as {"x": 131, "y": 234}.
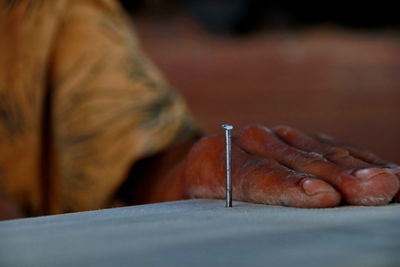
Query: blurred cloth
{"x": 79, "y": 104}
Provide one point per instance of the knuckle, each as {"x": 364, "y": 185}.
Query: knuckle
{"x": 306, "y": 160}
{"x": 283, "y": 129}
{"x": 313, "y": 157}
{"x": 336, "y": 153}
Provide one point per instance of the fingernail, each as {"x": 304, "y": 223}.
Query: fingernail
{"x": 370, "y": 173}
{"x": 313, "y": 186}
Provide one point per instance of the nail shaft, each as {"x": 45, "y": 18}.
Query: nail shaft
{"x": 228, "y": 129}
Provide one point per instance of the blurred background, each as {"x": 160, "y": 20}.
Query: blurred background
{"x": 330, "y": 67}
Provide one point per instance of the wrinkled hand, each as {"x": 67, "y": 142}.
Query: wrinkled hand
{"x": 284, "y": 166}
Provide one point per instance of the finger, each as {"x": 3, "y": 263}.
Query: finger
{"x": 307, "y": 143}
{"x": 356, "y": 152}
{"x": 254, "y": 179}
{"x": 370, "y": 186}
{"x": 363, "y": 155}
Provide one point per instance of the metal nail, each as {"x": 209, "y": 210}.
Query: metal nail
{"x": 228, "y": 128}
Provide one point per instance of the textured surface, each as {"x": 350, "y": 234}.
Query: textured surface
{"x": 205, "y": 233}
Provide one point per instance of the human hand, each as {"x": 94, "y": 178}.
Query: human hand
{"x": 284, "y": 166}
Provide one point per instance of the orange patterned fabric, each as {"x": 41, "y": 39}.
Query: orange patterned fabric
{"x": 79, "y": 103}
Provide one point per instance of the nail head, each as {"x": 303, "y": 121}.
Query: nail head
{"x": 227, "y": 126}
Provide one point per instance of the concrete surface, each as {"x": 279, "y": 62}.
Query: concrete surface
{"x": 205, "y": 233}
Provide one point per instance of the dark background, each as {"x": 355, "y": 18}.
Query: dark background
{"x": 328, "y": 67}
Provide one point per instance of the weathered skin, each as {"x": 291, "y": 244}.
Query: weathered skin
{"x": 282, "y": 166}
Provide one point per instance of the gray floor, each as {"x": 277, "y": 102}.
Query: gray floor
{"x": 205, "y": 233}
